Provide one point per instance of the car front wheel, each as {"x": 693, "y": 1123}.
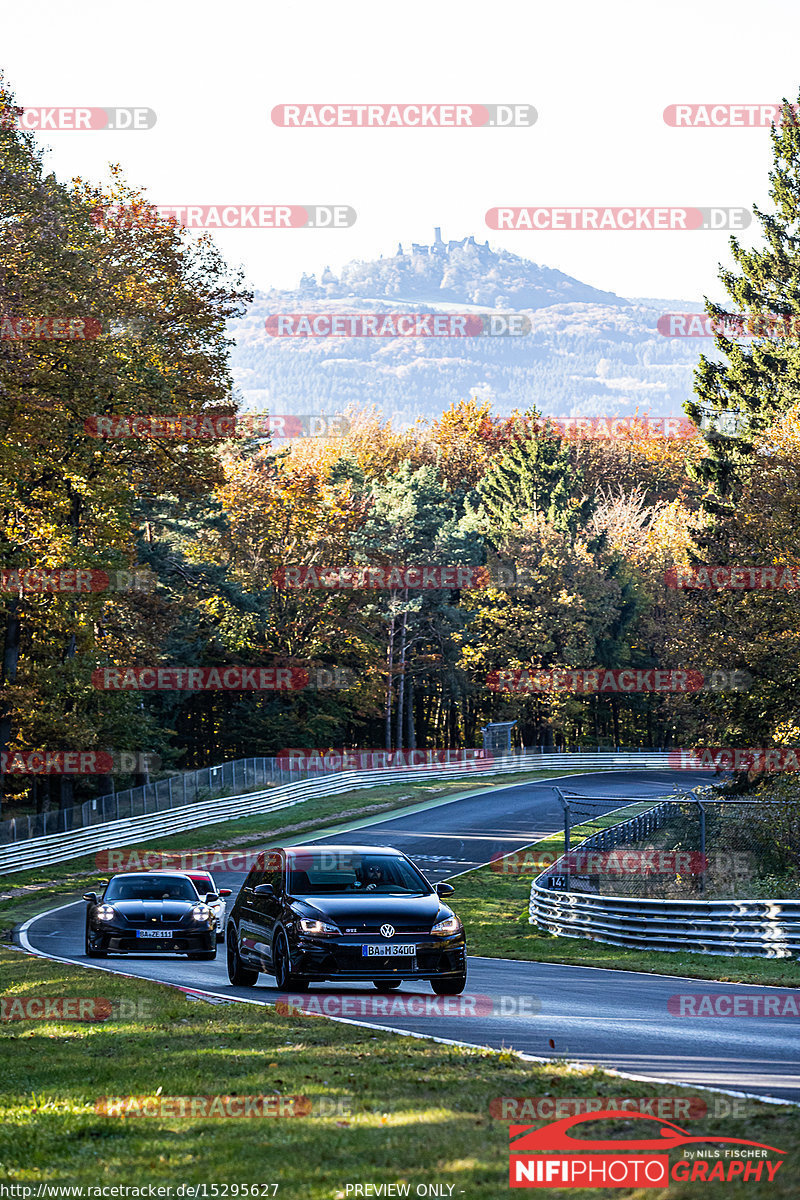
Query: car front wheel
{"x": 282, "y": 964}
{"x": 453, "y": 986}
{"x": 90, "y": 950}
{"x": 238, "y": 974}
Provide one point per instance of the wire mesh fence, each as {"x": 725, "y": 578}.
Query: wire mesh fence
{"x": 693, "y": 846}
{"x": 234, "y": 778}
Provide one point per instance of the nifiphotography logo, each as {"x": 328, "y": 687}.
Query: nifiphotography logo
{"x": 624, "y": 1162}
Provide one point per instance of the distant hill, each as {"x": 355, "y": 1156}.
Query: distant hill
{"x": 589, "y": 352}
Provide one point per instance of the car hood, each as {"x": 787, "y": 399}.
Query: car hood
{"x": 152, "y": 908}
{"x": 365, "y": 911}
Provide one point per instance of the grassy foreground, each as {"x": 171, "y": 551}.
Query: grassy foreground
{"x": 494, "y": 908}
{"x": 401, "y": 1109}
{"x": 26, "y": 893}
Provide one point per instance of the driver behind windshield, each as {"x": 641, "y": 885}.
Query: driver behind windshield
{"x": 369, "y": 875}
{"x": 373, "y": 873}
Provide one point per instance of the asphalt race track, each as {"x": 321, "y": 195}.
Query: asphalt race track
{"x": 614, "y": 1019}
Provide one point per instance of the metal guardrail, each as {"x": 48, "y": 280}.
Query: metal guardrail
{"x": 188, "y": 787}
{"x": 232, "y": 778}
{"x": 749, "y": 928}
{"x": 60, "y": 847}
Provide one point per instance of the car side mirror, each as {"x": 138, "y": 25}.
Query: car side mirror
{"x": 211, "y": 897}
{"x": 91, "y": 897}
{"x": 264, "y": 889}
{"x": 444, "y": 889}
{"x": 225, "y": 892}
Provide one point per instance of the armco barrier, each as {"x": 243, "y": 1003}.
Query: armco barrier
{"x": 60, "y": 847}
{"x": 751, "y": 928}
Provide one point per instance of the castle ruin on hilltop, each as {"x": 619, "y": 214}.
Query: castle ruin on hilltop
{"x": 440, "y": 247}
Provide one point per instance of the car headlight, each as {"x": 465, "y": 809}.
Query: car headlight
{"x": 105, "y": 912}
{"x": 447, "y": 926}
{"x": 201, "y": 912}
{"x": 307, "y": 925}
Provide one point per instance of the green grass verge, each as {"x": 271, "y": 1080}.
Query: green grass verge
{"x": 494, "y": 908}
{"x": 26, "y": 893}
{"x": 409, "y": 1110}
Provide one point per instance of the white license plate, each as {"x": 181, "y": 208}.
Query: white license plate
{"x": 154, "y": 933}
{"x": 395, "y": 950}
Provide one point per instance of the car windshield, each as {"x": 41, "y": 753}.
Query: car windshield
{"x": 353, "y": 873}
{"x": 151, "y": 887}
{"x": 203, "y": 883}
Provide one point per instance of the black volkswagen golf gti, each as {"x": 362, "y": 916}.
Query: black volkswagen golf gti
{"x": 143, "y": 911}
{"x": 346, "y": 913}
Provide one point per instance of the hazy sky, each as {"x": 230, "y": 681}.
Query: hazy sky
{"x": 599, "y": 75}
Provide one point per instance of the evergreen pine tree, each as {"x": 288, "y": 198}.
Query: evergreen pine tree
{"x": 761, "y": 379}
{"x": 536, "y": 476}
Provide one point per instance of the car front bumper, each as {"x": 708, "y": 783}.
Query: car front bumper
{"x": 179, "y": 941}
{"x": 341, "y": 958}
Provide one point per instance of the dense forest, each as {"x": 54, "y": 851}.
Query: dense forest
{"x": 580, "y": 538}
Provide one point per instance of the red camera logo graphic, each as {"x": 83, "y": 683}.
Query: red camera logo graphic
{"x": 616, "y": 1163}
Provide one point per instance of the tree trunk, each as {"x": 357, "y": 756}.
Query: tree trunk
{"x": 411, "y": 732}
{"x": 389, "y": 680}
{"x": 401, "y": 687}
{"x": 9, "y": 675}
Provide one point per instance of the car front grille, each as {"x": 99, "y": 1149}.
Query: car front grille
{"x": 161, "y": 922}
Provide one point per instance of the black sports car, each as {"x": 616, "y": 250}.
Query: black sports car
{"x": 146, "y": 911}
{"x": 344, "y": 913}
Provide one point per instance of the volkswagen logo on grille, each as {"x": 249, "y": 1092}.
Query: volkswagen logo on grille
{"x": 387, "y": 930}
